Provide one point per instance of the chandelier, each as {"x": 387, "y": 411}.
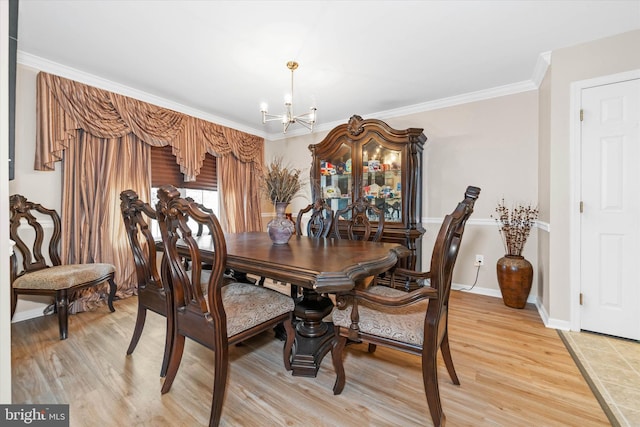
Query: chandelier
{"x": 288, "y": 117}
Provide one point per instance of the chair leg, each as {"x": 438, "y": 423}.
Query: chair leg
{"x": 137, "y": 330}
{"x": 288, "y": 344}
{"x": 112, "y": 294}
{"x": 168, "y": 344}
{"x": 448, "y": 361}
{"x": 336, "y": 356}
{"x": 221, "y": 363}
{"x": 62, "y": 309}
{"x": 170, "y": 336}
{"x": 431, "y": 389}
{"x": 174, "y": 362}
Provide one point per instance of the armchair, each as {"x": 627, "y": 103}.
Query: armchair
{"x": 414, "y": 322}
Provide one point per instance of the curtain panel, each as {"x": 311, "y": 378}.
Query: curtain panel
{"x": 104, "y": 139}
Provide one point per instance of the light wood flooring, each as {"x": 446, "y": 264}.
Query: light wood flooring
{"x": 513, "y": 372}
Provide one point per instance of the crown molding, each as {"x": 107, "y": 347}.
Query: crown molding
{"x": 539, "y": 71}
{"x": 48, "y": 66}
{"x": 51, "y": 67}
{"x": 481, "y": 95}
{"x": 465, "y": 98}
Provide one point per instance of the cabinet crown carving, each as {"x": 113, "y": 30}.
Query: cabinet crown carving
{"x": 354, "y": 126}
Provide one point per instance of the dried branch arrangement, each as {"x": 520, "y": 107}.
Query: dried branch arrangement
{"x": 281, "y": 182}
{"x": 515, "y": 226}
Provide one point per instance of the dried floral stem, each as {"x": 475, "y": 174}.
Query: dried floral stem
{"x": 515, "y": 226}
{"x": 281, "y": 183}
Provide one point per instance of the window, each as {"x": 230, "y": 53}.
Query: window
{"x": 165, "y": 170}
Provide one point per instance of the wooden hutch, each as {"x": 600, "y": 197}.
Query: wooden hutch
{"x": 369, "y": 159}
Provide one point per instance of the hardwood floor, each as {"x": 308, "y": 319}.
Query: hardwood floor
{"x": 513, "y": 372}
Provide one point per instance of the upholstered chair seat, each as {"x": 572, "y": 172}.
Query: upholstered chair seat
{"x": 403, "y": 324}
{"x": 64, "y": 276}
{"x": 249, "y": 305}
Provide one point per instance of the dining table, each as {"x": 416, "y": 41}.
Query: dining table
{"x": 320, "y": 266}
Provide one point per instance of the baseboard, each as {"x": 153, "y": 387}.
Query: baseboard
{"x": 549, "y": 323}
{"x": 485, "y": 291}
{"x": 28, "y": 314}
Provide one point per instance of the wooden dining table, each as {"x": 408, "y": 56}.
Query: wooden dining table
{"x": 319, "y": 266}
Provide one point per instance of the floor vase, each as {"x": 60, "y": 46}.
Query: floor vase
{"x": 280, "y": 228}
{"x": 515, "y": 276}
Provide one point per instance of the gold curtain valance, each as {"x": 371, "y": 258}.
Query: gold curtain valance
{"x": 63, "y": 106}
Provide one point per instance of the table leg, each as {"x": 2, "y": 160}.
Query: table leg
{"x": 313, "y": 336}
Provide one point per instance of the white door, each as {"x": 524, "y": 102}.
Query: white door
{"x": 610, "y": 222}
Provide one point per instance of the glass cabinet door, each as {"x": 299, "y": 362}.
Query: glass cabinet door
{"x": 336, "y": 183}
{"x": 382, "y": 179}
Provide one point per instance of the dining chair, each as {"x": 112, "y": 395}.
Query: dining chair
{"x": 355, "y": 221}
{"x": 316, "y": 218}
{"x": 224, "y": 313}
{"x": 199, "y": 228}
{"x": 51, "y": 278}
{"x": 152, "y": 295}
{"x": 229, "y": 273}
{"x": 414, "y": 322}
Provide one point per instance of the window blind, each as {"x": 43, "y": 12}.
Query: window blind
{"x": 165, "y": 170}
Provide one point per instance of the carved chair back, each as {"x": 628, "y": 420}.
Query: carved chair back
{"x": 319, "y": 221}
{"x": 203, "y": 208}
{"x": 27, "y": 231}
{"x": 355, "y": 221}
{"x": 137, "y": 216}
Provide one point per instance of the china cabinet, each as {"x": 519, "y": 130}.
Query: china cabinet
{"x": 369, "y": 159}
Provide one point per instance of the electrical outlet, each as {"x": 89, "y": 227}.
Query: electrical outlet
{"x": 479, "y": 260}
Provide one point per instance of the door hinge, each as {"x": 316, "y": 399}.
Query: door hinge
{"x": 580, "y": 298}
{"x": 581, "y": 114}
{"x": 581, "y": 206}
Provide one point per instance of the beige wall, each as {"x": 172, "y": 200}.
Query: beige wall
{"x": 598, "y": 58}
{"x": 43, "y": 187}
{"x": 544, "y": 161}
{"x": 491, "y": 144}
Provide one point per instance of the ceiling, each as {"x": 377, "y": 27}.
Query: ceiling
{"x": 220, "y": 60}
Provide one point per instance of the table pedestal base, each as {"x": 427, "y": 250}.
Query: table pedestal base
{"x": 309, "y": 352}
{"x": 314, "y": 337}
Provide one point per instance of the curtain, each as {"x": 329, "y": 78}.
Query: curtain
{"x": 95, "y": 171}
{"x": 240, "y": 189}
{"x": 103, "y": 140}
